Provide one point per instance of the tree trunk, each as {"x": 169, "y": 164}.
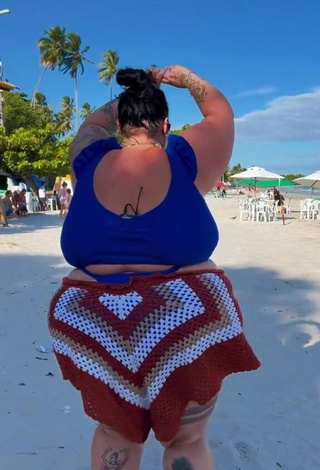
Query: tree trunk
{"x": 28, "y": 179}
{"x": 111, "y": 89}
{"x": 77, "y": 101}
{"x": 38, "y": 86}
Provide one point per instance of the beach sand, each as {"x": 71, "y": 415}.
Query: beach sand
{"x": 265, "y": 420}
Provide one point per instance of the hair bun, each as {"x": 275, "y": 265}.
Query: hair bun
{"x": 134, "y": 79}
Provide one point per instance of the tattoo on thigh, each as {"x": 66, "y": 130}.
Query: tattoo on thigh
{"x": 197, "y": 418}
{"x": 182, "y": 464}
{"x": 201, "y": 409}
{"x": 115, "y": 460}
{"x": 195, "y": 415}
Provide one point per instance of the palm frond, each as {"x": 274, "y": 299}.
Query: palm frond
{"x": 52, "y": 47}
{"x": 108, "y": 67}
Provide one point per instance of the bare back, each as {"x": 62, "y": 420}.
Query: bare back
{"x": 120, "y": 175}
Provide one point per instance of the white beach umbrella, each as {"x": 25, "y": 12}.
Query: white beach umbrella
{"x": 310, "y": 181}
{"x": 256, "y": 173}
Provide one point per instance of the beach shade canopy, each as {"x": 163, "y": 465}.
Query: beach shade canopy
{"x": 310, "y": 181}
{"x": 267, "y": 184}
{"x": 220, "y": 185}
{"x": 256, "y": 173}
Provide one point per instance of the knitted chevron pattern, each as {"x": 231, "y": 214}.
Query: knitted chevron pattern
{"x": 130, "y": 342}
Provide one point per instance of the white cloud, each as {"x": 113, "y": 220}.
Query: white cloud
{"x": 286, "y": 119}
{"x": 266, "y": 90}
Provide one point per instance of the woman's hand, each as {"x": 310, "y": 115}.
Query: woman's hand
{"x": 176, "y": 76}
{"x": 157, "y": 74}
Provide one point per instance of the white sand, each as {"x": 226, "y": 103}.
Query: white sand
{"x": 265, "y": 420}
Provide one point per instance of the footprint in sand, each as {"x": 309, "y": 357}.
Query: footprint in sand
{"x": 243, "y": 449}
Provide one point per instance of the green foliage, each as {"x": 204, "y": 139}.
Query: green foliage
{"x": 108, "y": 68}
{"x": 238, "y": 168}
{"x": 65, "y": 117}
{"x": 292, "y": 177}
{"x": 85, "y": 111}
{"x": 40, "y": 99}
{"x": 18, "y": 113}
{"x": 73, "y": 62}
{"x": 182, "y": 130}
{"x": 34, "y": 152}
{"x": 52, "y": 47}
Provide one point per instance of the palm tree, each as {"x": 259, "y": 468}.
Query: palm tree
{"x": 73, "y": 61}
{"x": 108, "y": 68}
{"x": 52, "y": 49}
{"x": 85, "y": 111}
{"x": 65, "y": 116}
{"x": 40, "y": 99}
{"x": 238, "y": 168}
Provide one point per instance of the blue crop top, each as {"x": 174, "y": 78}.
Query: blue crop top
{"x": 180, "y": 231}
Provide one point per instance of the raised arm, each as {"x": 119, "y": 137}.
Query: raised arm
{"x": 212, "y": 139}
{"x": 101, "y": 124}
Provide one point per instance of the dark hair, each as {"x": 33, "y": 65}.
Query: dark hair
{"x": 8, "y": 193}
{"x": 68, "y": 190}
{"x": 142, "y": 104}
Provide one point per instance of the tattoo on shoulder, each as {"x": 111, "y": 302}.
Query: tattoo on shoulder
{"x": 85, "y": 137}
{"x": 182, "y": 464}
{"x": 115, "y": 460}
{"x": 109, "y": 110}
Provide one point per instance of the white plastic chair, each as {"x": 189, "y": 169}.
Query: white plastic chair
{"x": 303, "y": 210}
{"x": 315, "y": 209}
{"x": 49, "y": 204}
{"x": 261, "y": 211}
{"x": 287, "y": 206}
{"x": 273, "y": 212}
{"x": 244, "y": 210}
{"x": 33, "y": 205}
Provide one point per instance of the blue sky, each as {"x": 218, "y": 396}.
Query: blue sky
{"x": 263, "y": 55}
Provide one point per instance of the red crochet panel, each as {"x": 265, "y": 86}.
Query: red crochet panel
{"x": 140, "y": 352}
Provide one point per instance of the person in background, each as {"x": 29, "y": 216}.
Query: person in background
{"x": 55, "y": 201}
{"x": 43, "y": 197}
{"x": 278, "y": 197}
{"x": 7, "y": 202}
{"x": 63, "y": 200}
{"x": 69, "y": 198}
{"x": 3, "y": 217}
{"x": 22, "y": 203}
{"x": 15, "y": 202}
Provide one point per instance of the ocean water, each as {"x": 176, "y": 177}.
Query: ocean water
{"x": 300, "y": 193}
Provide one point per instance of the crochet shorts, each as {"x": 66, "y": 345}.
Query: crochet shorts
{"x": 139, "y": 352}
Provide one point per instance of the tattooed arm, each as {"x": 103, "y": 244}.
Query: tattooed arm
{"x": 101, "y": 124}
{"x": 212, "y": 139}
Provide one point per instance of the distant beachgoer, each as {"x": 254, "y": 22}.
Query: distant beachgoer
{"x": 69, "y": 198}
{"x": 278, "y": 197}
{"x": 3, "y": 217}
{"x": 55, "y": 201}
{"x": 22, "y": 204}
{"x": 19, "y": 202}
{"x": 43, "y": 196}
{"x": 15, "y": 201}
{"x": 7, "y": 202}
{"x": 223, "y": 193}
{"x": 63, "y": 200}
{"x": 146, "y": 326}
